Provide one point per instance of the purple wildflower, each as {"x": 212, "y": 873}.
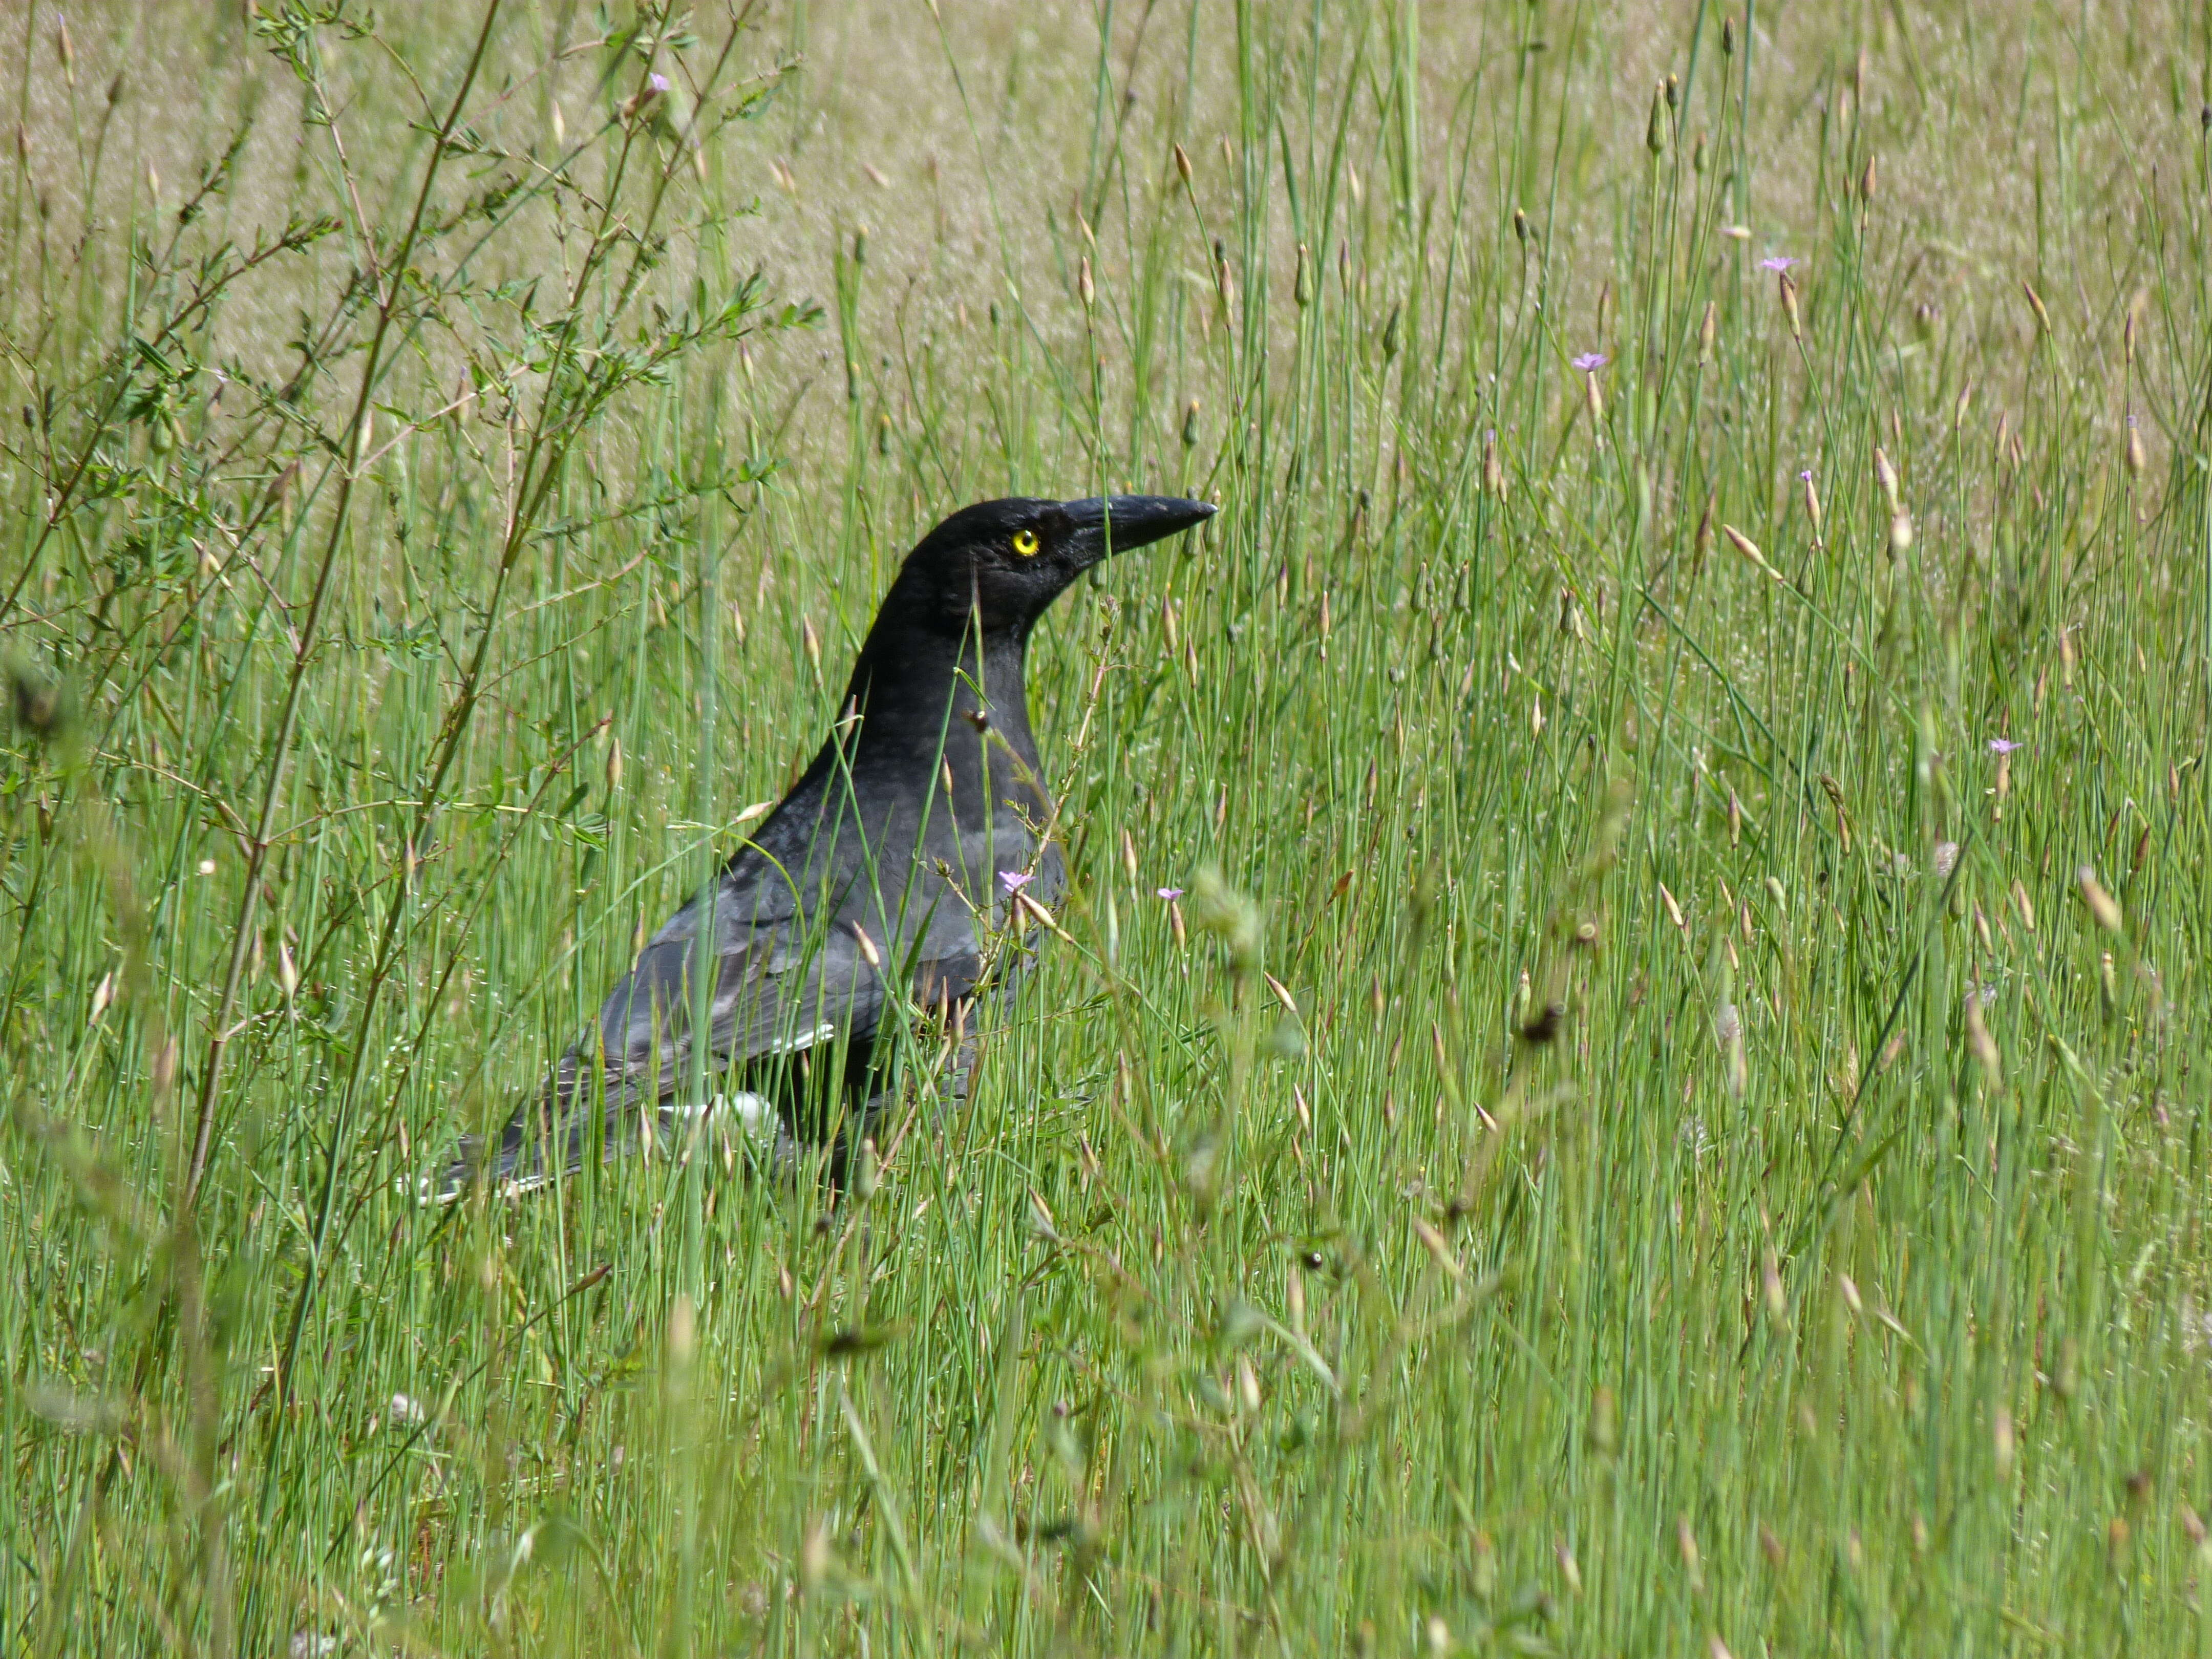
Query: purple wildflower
{"x": 659, "y": 82}
{"x": 1015, "y": 880}
{"x": 2002, "y": 745}
{"x": 1590, "y": 362}
{"x": 1805, "y": 477}
{"x": 1777, "y": 262}
{"x": 1170, "y": 892}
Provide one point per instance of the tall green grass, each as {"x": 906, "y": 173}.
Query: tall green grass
{"x": 1668, "y": 1114}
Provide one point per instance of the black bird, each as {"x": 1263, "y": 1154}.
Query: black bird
{"x": 873, "y": 884}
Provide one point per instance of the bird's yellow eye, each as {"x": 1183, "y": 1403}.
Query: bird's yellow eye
{"x": 1025, "y": 543}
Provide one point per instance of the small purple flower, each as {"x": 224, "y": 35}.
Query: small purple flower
{"x": 1015, "y": 880}
{"x": 1590, "y": 362}
{"x": 1170, "y": 892}
{"x": 659, "y": 82}
{"x": 2002, "y": 745}
{"x": 1805, "y": 477}
{"x": 1777, "y": 262}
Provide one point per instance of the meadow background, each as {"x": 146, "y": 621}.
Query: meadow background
{"x": 1671, "y": 1116}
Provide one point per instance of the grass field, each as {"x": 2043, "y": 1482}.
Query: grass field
{"x": 1671, "y": 1117}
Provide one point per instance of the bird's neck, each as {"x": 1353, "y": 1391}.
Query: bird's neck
{"x": 915, "y": 691}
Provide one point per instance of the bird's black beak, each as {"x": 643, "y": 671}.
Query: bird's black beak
{"x": 1106, "y": 525}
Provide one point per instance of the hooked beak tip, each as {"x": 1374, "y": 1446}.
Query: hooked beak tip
{"x": 1119, "y": 524}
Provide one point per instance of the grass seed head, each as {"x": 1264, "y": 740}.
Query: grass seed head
{"x": 1885, "y": 474}
{"x": 1685, "y": 1545}
{"x": 1901, "y": 533}
{"x": 1709, "y": 329}
{"x": 1749, "y": 549}
{"x": 1979, "y": 1040}
{"x": 2104, "y": 909}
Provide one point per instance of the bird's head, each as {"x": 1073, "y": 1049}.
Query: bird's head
{"x": 1001, "y": 564}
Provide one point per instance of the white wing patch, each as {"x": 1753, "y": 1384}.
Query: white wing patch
{"x": 792, "y": 1045}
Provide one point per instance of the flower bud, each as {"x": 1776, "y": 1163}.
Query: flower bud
{"x": 1885, "y": 474}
